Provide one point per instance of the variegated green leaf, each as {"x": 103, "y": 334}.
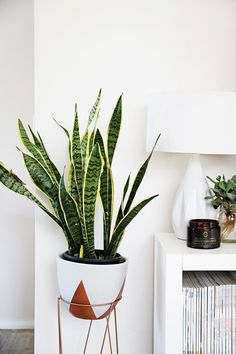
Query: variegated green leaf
{"x": 76, "y": 154}
{"x": 66, "y": 132}
{"x": 35, "y": 138}
{"x": 85, "y": 148}
{"x": 106, "y": 191}
{"x": 71, "y": 215}
{"x": 138, "y": 179}
{"x": 60, "y": 215}
{"x": 107, "y": 197}
{"x": 12, "y": 182}
{"x": 92, "y": 140}
{"x": 91, "y": 187}
{"x": 40, "y": 177}
{"x": 63, "y": 128}
{"x": 44, "y": 182}
{"x": 95, "y": 109}
{"x": 39, "y": 144}
{"x": 54, "y": 173}
{"x": 119, "y": 230}
{"x": 71, "y": 185}
{"x": 28, "y": 144}
{"x": 99, "y": 139}
{"x": 114, "y": 129}
{"x": 120, "y": 214}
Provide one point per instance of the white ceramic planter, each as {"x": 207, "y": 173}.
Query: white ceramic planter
{"x": 90, "y": 284}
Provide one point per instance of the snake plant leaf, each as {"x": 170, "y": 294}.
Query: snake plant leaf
{"x": 63, "y": 128}
{"x": 54, "y": 173}
{"x": 71, "y": 214}
{"x": 107, "y": 198}
{"x": 71, "y": 185}
{"x": 91, "y": 188}
{"x": 66, "y": 132}
{"x": 44, "y": 183}
{"x": 60, "y": 215}
{"x": 50, "y": 165}
{"x": 99, "y": 139}
{"x": 91, "y": 140}
{"x": 138, "y": 179}
{"x": 114, "y": 129}
{"x": 85, "y": 148}
{"x": 76, "y": 154}
{"x": 119, "y": 230}
{"x": 12, "y": 182}
{"x": 120, "y": 214}
{"x": 95, "y": 109}
{"x": 35, "y": 138}
{"x": 106, "y": 191}
{"x": 39, "y": 176}
{"x": 28, "y": 144}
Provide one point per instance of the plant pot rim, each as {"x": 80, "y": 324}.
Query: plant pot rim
{"x": 119, "y": 259}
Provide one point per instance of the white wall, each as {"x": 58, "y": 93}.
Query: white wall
{"x": 16, "y": 214}
{"x": 136, "y": 47}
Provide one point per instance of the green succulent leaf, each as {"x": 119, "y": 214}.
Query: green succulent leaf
{"x": 91, "y": 140}
{"x": 91, "y": 188}
{"x": 85, "y": 148}
{"x": 28, "y": 144}
{"x": 106, "y": 191}
{"x": 95, "y": 109}
{"x": 63, "y": 128}
{"x": 119, "y": 230}
{"x": 35, "y": 138}
{"x": 210, "y": 179}
{"x": 66, "y": 132}
{"x": 54, "y": 173}
{"x": 39, "y": 176}
{"x": 76, "y": 154}
{"x": 71, "y": 215}
{"x": 107, "y": 198}
{"x": 231, "y": 196}
{"x": 14, "y": 183}
{"x": 222, "y": 185}
{"x": 99, "y": 140}
{"x": 71, "y": 185}
{"x": 114, "y": 129}
{"x": 223, "y": 192}
{"x": 138, "y": 179}
{"x": 120, "y": 214}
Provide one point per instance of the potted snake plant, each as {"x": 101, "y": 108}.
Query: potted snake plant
{"x": 85, "y": 275}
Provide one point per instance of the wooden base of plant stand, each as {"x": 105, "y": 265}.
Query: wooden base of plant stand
{"x": 107, "y": 327}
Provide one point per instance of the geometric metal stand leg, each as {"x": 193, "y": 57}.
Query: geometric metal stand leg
{"x": 109, "y": 337}
{"x": 86, "y": 342}
{"x": 106, "y": 332}
{"x": 59, "y": 325}
{"x": 116, "y": 331}
{"x": 107, "y": 329}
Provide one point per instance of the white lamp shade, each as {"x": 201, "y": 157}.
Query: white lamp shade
{"x": 199, "y": 122}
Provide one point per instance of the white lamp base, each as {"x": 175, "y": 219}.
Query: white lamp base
{"x": 189, "y": 201}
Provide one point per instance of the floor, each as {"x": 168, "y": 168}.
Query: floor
{"x": 16, "y": 342}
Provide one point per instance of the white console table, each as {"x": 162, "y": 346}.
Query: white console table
{"x": 172, "y": 257}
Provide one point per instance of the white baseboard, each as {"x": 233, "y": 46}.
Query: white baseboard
{"x": 17, "y": 325}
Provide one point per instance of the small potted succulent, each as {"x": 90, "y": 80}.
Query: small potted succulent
{"x": 223, "y": 198}
{"x": 85, "y": 275}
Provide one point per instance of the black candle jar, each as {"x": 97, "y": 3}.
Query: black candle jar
{"x": 203, "y": 233}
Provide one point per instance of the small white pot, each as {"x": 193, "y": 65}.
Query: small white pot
{"x": 90, "y": 284}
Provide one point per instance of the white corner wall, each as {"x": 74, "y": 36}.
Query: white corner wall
{"x": 16, "y": 213}
{"x": 135, "y": 47}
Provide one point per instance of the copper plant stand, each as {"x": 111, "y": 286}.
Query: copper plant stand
{"x": 107, "y": 328}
